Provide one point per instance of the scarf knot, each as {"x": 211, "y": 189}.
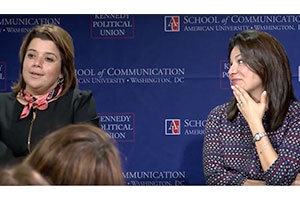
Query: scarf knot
{"x": 40, "y": 103}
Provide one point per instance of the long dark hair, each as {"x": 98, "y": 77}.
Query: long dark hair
{"x": 267, "y": 58}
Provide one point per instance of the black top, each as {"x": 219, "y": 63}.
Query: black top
{"x": 75, "y": 106}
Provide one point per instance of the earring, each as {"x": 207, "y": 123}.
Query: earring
{"x": 61, "y": 81}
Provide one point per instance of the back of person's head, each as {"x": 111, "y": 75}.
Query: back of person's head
{"x": 78, "y": 154}
{"x": 21, "y": 174}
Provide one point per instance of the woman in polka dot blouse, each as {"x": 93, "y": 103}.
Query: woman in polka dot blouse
{"x": 255, "y": 138}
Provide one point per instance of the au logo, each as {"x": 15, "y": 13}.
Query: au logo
{"x": 172, "y": 23}
{"x": 172, "y": 126}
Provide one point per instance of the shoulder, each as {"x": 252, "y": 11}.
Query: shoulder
{"x": 78, "y": 93}
{"x": 219, "y": 112}
{"x": 7, "y": 96}
{"x": 219, "y": 109}
{"x": 294, "y": 109}
{"x": 82, "y": 96}
{"x": 295, "y": 104}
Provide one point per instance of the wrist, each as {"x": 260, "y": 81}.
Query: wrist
{"x": 258, "y": 136}
{"x": 256, "y": 128}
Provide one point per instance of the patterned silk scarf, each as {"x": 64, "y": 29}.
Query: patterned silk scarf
{"x": 40, "y": 103}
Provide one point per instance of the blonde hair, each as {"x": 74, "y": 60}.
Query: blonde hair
{"x": 78, "y": 154}
{"x": 21, "y": 174}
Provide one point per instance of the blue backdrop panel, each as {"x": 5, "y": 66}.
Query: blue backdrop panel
{"x": 154, "y": 77}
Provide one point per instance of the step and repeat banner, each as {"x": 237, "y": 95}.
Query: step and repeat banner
{"x": 155, "y": 79}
